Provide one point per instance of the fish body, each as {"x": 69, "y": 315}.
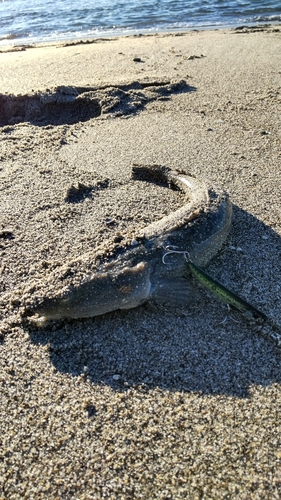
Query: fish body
{"x": 137, "y": 273}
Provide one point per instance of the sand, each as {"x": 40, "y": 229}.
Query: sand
{"x": 147, "y": 403}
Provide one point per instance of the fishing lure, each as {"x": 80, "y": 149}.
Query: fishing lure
{"x": 224, "y": 293}
{"x": 227, "y": 296}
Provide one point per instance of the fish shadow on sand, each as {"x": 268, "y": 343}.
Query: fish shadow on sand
{"x": 202, "y": 347}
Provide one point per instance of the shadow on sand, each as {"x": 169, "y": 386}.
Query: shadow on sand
{"x": 67, "y": 105}
{"x": 203, "y": 347}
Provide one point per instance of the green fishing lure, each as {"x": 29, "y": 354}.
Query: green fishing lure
{"x": 224, "y": 293}
{"x": 229, "y": 297}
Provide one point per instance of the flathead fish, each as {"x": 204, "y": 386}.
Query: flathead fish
{"x": 137, "y": 273}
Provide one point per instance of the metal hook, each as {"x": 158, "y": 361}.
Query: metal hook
{"x": 185, "y": 253}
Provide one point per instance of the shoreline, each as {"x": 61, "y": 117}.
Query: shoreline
{"x": 111, "y": 61}
{"x": 11, "y": 46}
{"x": 147, "y": 403}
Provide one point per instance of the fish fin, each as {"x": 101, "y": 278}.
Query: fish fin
{"x": 174, "y": 292}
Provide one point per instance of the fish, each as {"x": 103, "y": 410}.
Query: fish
{"x": 136, "y": 273}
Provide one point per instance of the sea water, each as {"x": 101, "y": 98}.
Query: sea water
{"x": 29, "y": 21}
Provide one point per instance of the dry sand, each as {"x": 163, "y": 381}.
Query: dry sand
{"x": 146, "y": 403}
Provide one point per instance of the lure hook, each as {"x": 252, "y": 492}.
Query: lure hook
{"x": 185, "y": 253}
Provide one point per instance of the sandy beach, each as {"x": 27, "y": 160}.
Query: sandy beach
{"x": 151, "y": 403}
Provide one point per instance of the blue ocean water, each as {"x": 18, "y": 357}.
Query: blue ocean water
{"x": 28, "y": 21}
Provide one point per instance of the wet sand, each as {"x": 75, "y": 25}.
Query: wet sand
{"x": 146, "y": 403}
